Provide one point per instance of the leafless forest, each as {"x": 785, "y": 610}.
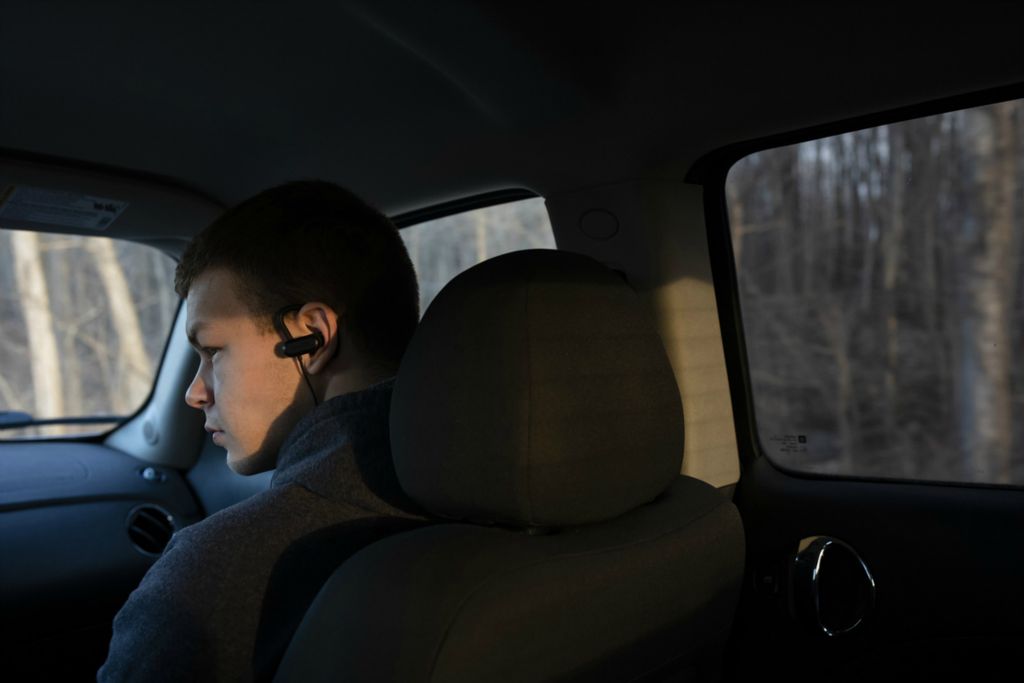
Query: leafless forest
{"x": 443, "y": 248}
{"x": 83, "y": 323}
{"x": 881, "y": 286}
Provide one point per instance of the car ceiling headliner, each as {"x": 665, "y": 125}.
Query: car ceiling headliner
{"x": 415, "y": 103}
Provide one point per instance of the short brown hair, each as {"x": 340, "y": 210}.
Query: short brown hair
{"x": 315, "y": 241}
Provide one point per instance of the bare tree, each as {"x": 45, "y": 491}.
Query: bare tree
{"x": 995, "y": 272}
{"x": 42, "y": 341}
{"x": 137, "y": 370}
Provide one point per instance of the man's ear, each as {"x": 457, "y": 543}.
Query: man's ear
{"x": 317, "y": 317}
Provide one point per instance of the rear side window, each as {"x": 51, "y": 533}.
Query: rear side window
{"x": 83, "y": 323}
{"x": 881, "y": 281}
{"x": 443, "y": 248}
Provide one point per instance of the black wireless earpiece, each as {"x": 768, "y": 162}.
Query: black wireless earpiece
{"x": 291, "y": 347}
{"x": 299, "y": 345}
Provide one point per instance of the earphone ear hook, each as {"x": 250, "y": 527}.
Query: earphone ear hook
{"x": 292, "y": 347}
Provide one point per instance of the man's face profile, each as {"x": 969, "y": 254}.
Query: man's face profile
{"x": 251, "y": 397}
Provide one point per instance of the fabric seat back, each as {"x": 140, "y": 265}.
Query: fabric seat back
{"x": 536, "y": 409}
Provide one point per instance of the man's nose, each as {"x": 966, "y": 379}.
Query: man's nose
{"x": 198, "y": 394}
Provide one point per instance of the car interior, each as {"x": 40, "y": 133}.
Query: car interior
{"x": 689, "y": 514}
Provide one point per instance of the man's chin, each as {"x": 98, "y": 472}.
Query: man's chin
{"x": 250, "y": 464}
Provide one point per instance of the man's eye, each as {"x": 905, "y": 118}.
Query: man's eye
{"x": 209, "y": 351}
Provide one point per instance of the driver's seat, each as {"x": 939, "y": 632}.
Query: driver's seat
{"x": 536, "y": 409}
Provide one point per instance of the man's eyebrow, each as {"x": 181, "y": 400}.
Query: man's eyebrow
{"x": 193, "y": 331}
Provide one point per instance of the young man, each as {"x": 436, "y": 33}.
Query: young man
{"x": 300, "y": 303}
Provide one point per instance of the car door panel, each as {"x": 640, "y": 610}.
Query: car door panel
{"x": 946, "y": 560}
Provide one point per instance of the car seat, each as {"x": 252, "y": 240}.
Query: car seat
{"x": 535, "y": 409}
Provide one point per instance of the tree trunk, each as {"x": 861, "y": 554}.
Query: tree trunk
{"x": 994, "y": 270}
{"x": 42, "y": 342}
{"x": 892, "y": 246}
{"x": 480, "y": 226}
{"x": 137, "y": 372}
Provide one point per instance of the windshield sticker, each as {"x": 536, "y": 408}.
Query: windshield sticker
{"x": 788, "y": 443}
{"x": 37, "y": 207}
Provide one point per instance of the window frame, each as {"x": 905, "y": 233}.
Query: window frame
{"x": 711, "y": 172}
{"x": 471, "y": 203}
{"x": 99, "y": 437}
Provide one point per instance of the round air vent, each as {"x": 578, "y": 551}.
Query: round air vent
{"x": 150, "y": 529}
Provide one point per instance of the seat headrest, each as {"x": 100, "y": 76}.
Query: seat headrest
{"x": 536, "y": 392}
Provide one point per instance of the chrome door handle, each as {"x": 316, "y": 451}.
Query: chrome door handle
{"x": 831, "y": 588}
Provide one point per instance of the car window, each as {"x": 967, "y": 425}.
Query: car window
{"x": 881, "y": 282}
{"x": 443, "y": 248}
{"x": 83, "y": 322}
